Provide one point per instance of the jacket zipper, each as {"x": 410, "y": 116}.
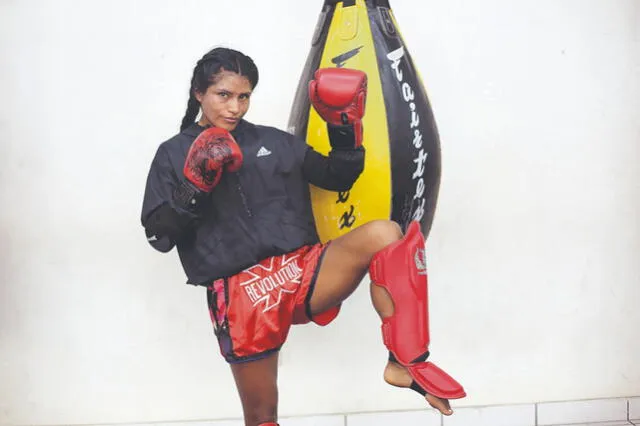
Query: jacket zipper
{"x": 243, "y": 197}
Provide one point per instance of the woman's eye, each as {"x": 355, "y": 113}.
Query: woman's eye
{"x": 244, "y": 97}
{"x": 223, "y": 94}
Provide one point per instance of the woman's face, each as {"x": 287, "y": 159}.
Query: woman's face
{"x": 226, "y": 101}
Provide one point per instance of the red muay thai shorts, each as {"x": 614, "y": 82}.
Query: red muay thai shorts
{"x": 253, "y": 310}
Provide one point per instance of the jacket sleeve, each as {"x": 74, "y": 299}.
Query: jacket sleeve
{"x": 336, "y": 172}
{"x": 341, "y": 168}
{"x": 170, "y": 207}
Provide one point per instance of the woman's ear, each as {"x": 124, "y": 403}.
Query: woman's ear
{"x": 198, "y": 95}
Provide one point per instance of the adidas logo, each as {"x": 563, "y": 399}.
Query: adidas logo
{"x": 263, "y": 152}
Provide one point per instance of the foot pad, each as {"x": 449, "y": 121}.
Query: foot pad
{"x": 435, "y": 381}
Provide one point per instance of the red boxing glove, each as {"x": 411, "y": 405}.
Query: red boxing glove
{"x": 213, "y": 151}
{"x": 339, "y": 96}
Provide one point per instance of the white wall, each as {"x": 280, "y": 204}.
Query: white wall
{"x": 533, "y": 256}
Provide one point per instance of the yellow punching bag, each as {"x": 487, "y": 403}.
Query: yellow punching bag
{"x": 401, "y": 177}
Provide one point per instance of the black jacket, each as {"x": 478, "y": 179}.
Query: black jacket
{"x": 260, "y": 211}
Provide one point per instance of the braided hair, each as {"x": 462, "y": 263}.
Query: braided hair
{"x": 207, "y": 71}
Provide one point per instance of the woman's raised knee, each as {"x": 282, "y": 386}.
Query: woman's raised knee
{"x": 381, "y": 233}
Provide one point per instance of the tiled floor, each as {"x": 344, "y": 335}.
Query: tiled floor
{"x": 598, "y": 412}
{"x": 508, "y": 415}
{"x": 634, "y": 410}
{"x": 564, "y": 413}
{"x": 423, "y": 418}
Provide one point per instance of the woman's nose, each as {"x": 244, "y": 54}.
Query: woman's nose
{"x": 234, "y": 106}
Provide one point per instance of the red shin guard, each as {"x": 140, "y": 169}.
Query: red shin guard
{"x": 400, "y": 268}
{"x": 268, "y": 424}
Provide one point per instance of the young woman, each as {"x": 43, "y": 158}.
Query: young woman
{"x": 233, "y": 198}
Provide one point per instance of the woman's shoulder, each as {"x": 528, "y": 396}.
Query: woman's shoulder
{"x": 184, "y": 138}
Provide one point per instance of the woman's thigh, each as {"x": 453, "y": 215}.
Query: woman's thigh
{"x": 346, "y": 262}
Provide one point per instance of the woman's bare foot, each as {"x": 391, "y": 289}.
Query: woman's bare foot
{"x": 397, "y": 375}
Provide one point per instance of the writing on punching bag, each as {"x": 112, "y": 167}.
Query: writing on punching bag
{"x": 420, "y": 156}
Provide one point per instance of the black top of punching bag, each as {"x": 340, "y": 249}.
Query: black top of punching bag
{"x": 346, "y": 3}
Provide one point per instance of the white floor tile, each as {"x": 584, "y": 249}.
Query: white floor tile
{"x": 198, "y": 423}
{"x": 576, "y": 412}
{"x": 634, "y": 409}
{"x": 216, "y": 423}
{"x": 204, "y": 423}
{"x": 600, "y": 424}
{"x": 399, "y": 418}
{"x": 337, "y": 420}
{"x": 506, "y": 415}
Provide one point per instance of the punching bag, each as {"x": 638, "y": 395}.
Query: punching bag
{"x": 401, "y": 176}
